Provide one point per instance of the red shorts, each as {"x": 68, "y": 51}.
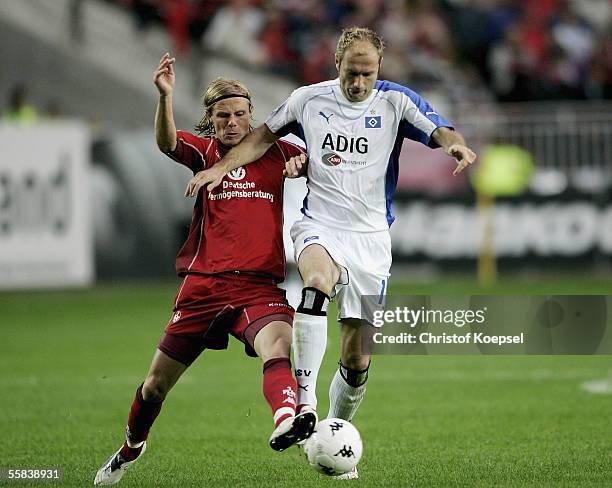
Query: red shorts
{"x": 208, "y": 309}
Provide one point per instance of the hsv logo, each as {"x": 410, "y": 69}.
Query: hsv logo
{"x": 326, "y": 117}
{"x": 176, "y": 317}
{"x": 237, "y": 174}
{"x": 331, "y": 159}
{"x": 373, "y": 122}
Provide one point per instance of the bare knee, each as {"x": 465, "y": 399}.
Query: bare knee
{"x": 276, "y": 347}
{"x": 273, "y": 341}
{"x": 355, "y": 360}
{"x": 320, "y": 281}
{"x": 317, "y": 268}
{"x": 155, "y": 389}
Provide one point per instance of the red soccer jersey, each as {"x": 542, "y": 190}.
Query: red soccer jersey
{"x": 239, "y": 225}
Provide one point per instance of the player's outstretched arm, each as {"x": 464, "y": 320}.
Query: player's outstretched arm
{"x": 454, "y": 145}
{"x": 250, "y": 149}
{"x": 165, "y": 128}
{"x": 296, "y": 166}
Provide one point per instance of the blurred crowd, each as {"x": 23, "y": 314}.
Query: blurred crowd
{"x": 521, "y": 49}
{"x": 19, "y": 109}
{"x": 518, "y": 50}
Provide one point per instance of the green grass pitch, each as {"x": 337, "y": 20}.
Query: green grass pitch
{"x": 71, "y": 360}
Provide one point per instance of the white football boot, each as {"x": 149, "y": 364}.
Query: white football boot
{"x": 349, "y": 475}
{"x": 294, "y": 430}
{"x": 113, "y": 469}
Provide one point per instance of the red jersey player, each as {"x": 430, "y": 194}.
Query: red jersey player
{"x": 231, "y": 262}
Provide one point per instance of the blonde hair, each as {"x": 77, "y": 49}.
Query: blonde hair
{"x": 352, "y": 34}
{"x": 217, "y": 89}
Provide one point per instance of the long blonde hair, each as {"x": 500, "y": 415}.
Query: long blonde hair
{"x": 220, "y": 88}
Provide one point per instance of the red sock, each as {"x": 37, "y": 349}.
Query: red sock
{"x": 129, "y": 453}
{"x": 142, "y": 416}
{"x": 279, "y": 388}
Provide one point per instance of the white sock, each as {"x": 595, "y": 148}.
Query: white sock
{"x": 309, "y": 343}
{"x": 344, "y": 399}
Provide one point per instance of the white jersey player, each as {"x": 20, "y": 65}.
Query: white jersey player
{"x": 353, "y": 128}
{"x": 353, "y": 149}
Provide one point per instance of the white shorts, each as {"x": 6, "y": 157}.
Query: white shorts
{"x": 364, "y": 260}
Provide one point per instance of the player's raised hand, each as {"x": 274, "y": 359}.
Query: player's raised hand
{"x": 164, "y": 77}
{"x": 296, "y": 166}
{"x": 464, "y": 156}
{"x": 211, "y": 177}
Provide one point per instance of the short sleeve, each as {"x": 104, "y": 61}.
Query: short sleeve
{"x": 420, "y": 119}
{"x": 289, "y": 150}
{"x": 285, "y": 116}
{"x": 191, "y": 150}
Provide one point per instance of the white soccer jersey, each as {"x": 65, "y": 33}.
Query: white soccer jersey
{"x": 353, "y": 149}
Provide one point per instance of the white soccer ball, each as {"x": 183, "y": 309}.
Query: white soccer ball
{"x": 334, "y": 448}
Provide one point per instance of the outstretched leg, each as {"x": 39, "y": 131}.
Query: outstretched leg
{"x": 319, "y": 274}
{"x": 163, "y": 374}
{"x": 273, "y": 345}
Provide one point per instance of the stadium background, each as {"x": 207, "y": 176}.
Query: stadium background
{"x": 528, "y": 83}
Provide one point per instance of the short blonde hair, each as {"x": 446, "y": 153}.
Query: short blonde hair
{"x": 352, "y": 34}
{"x": 217, "y": 89}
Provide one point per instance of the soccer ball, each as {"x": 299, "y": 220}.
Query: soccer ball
{"x": 334, "y": 448}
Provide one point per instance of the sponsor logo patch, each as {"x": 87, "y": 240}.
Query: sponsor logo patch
{"x": 237, "y": 174}
{"x": 289, "y": 392}
{"x": 331, "y": 159}
{"x": 326, "y": 117}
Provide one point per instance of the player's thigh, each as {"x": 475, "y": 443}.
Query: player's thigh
{"x": 163, "y": 374}
{"x": 318, "y": 269}
{"x": 352, "y": 333}
{"x": 273, "y": 341}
